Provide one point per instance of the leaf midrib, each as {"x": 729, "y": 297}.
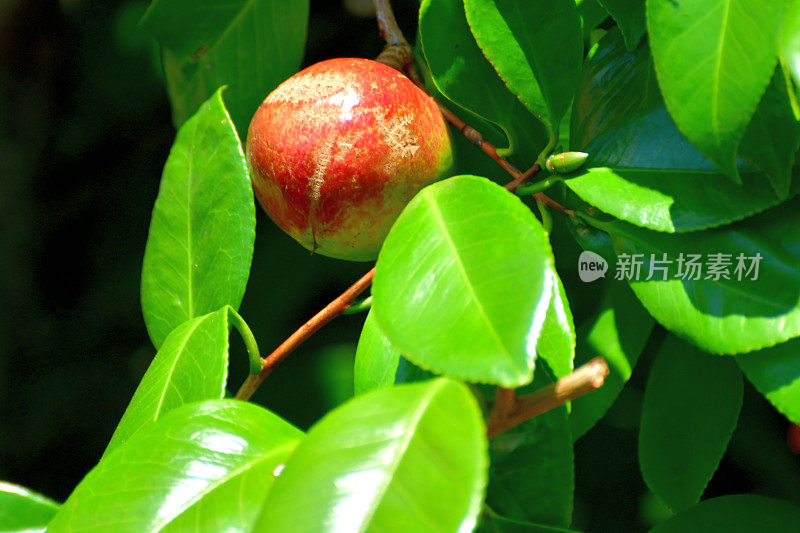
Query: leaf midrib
{"x": 230, "y": 475}
{"x": 189, "y": 253}
{"x": 179, "y": 352}
{"x": 460, "y": 264}
{"x": 718, "y": 69}
{"x": 405, "y": 442}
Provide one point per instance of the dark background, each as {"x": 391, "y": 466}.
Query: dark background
{"x": 84, "y": 132}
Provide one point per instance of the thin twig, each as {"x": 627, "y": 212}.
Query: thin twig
{"x": 387, "y": 24}
{"x": 523, "y": 178}
{"x": 331, "y": 311}
{"x": 585, "y": 379}
{"x": 505, "y": 402}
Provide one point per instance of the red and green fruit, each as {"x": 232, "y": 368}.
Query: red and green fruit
{"x": 338, "y": 150}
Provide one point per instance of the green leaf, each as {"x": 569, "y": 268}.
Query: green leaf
{"x": 618, "y": 333}
{"x": 740, "y": 513}
{"x": 406, "y": 458}
{"x": 536, "y": 47}
{"x": 714, "y": 58}
{"x": 630, "y": 17}
{"x": 376, "y": 359}
{"x": 494, "y": 523}
{"x": 690, "y": 410}
{"x": 556, "y": 344}
{"x": 789, "y": 49}
{"x": 196, "y": 460}
{"x": 591, "y": 13}
{"x": 462, "y": 282}
{"x": 773, "y": 136}
{"x": 673, "y": 201}
{"x": 198, "y": 252}
{"x": 249, "y": 45}
{"x": 724, "y": 316}
{"x": 462, "y": 73}
{"x": 24, "y": 510}
{"x": 641, "y": 168}
{"x": 775, "y": 372}
{"x": 408, "y": 372}
{"x": 531, "y": 477}
{"x": 192, "y": 365}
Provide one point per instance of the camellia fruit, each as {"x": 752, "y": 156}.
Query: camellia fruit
{"x": 338, "y": 150}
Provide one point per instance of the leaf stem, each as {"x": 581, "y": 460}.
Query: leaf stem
{"x": 539, "y": 186}
{"x": 331, "y": 311}
{"x": 547, "y": 218}
{"x": 359, "y": 306}
{"x": 249, "y": 340}
{"x": 510, "y": 412}
{"x": 594, "y": 222}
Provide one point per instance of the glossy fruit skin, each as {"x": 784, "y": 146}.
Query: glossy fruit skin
{"x": 337, "y": 151}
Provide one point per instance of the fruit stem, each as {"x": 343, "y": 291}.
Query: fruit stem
{"x": 510, "y": 410}
{"x": 331, "y": 311}
{"x": 387, "y": 24}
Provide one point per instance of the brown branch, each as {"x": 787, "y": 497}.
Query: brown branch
{"x": 510, "y": 412}
{"x": 331, "y": 311}
{"x": 552, "y": 204}
{"x": 387, "y": 24}
{"x": 505, "y": 402}
{"x": 523, "y": 178}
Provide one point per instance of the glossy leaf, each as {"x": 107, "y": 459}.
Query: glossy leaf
{"x": 641, "y": 168}
{"x": 725, "y": 316}
{"x": 197, "y": 459}
{"x": 790, "y": 40}
{"x": 618, "y": 333}
{"x": 462, "y": 73}
{"x": 192, "y": 365}
{"x": 773, "y": 136}
{"x": 462, "y": 282}
{"x": 406, "y": 458}
{"x": 198, "y": 252}
{"x": 540, "y": 63}
{"x": 531, "y": 475}
{"x": 630, "y": 17}
{"x": 24, "y": 510}
{"x": 556, "y": 343}
{"x": 739, "y": 513}
{"x": 661, "y": 200}
{"x": 249, "y": 45}
{"x": 690, "y": 410}
{"x": 714, "y": 58}
{"x": 775, "y": 372}
{"x": 376, "y": 359}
